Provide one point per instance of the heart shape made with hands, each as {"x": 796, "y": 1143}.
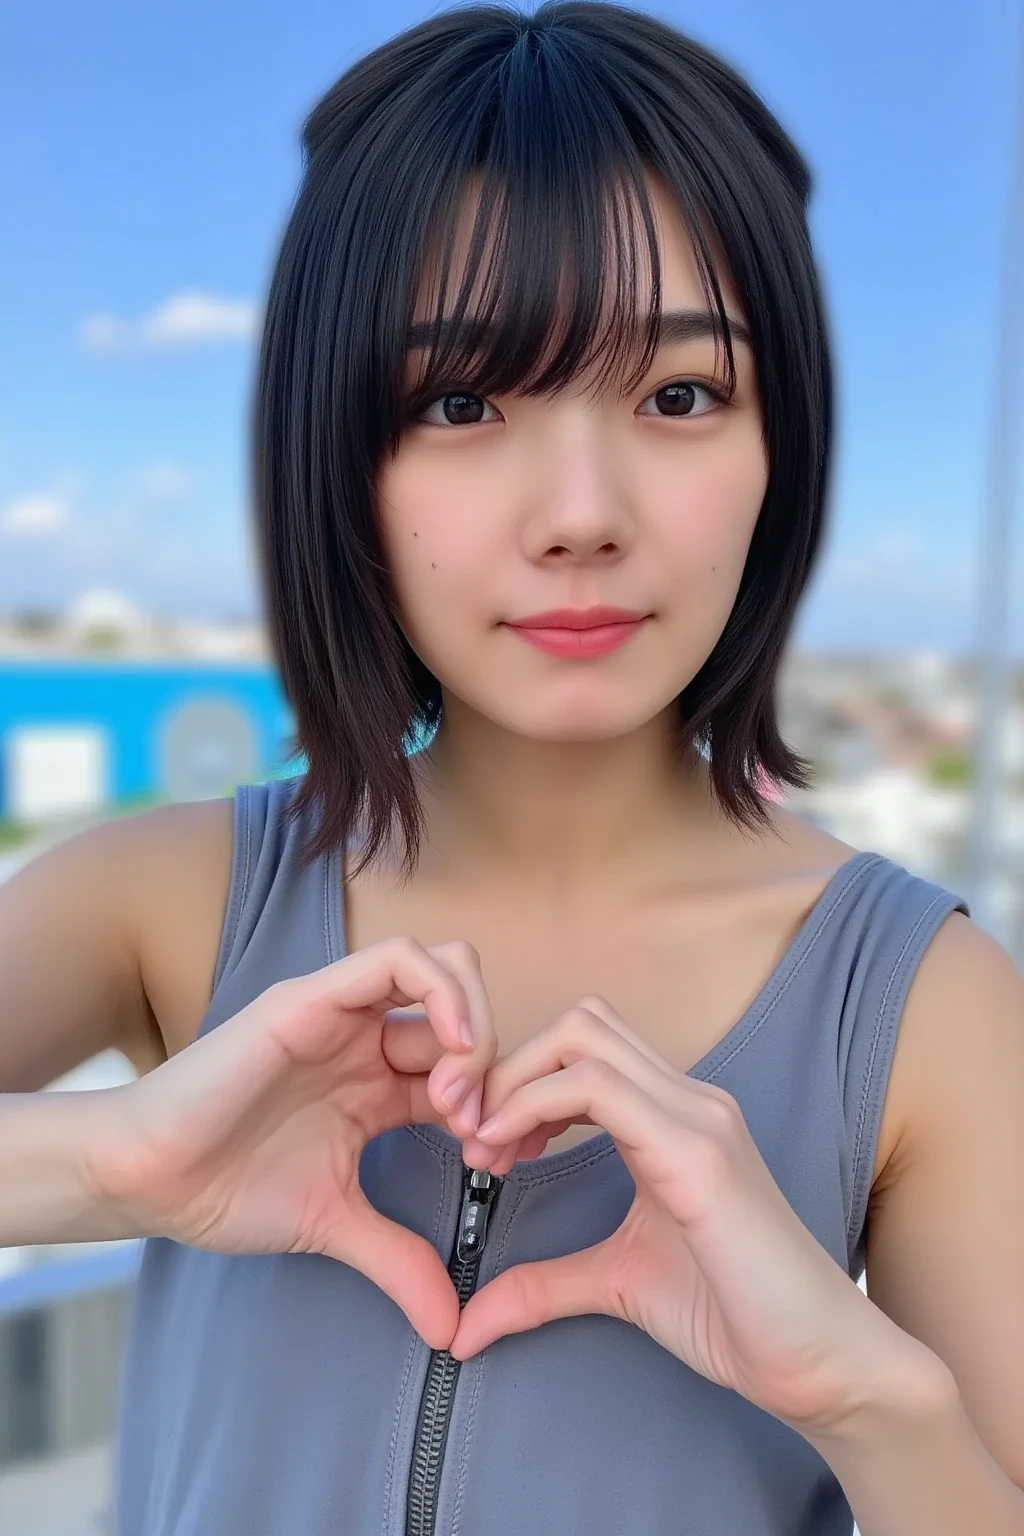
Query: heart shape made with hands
{"x": 410, "y": 1045}
{"x": 711, "y": 1260}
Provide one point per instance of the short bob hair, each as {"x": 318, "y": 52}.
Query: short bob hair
{"x": 556, "y": 116}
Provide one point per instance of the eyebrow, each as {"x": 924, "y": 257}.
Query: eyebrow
{"x": 674, "y": 326}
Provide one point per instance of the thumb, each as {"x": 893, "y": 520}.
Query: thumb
{"x": 403, "y": 1265}
{"x": 530, "y": 1294}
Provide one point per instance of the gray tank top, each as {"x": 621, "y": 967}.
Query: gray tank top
{"x": 288, "y": 1396}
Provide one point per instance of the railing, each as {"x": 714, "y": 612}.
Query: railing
{"x": 62, "y": 1328}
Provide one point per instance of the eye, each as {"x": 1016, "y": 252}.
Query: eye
{"x": 462, "y": 408}
{"x": 678, "y": 398}
{"x": 459, "y": 408}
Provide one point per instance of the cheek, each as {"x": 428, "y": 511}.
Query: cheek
{"x": 433, "y": 540}
{"x": 715, "y": 513}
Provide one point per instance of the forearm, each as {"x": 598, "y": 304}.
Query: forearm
{"x": 914, "y": 1465}
{"x": 50, "y": 1143}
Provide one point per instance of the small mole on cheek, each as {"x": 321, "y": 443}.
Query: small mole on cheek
{"x": 433, "y": 565}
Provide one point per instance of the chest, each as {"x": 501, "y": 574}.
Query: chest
{"x": 680, "y": 972}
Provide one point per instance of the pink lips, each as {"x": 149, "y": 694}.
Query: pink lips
{"x": 579, "y": 633}
{"x": 578, "y": 618}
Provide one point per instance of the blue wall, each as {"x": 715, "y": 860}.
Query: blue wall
{"x": 130, "y": 699}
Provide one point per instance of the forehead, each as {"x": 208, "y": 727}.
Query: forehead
{"x": 680, "y": 272}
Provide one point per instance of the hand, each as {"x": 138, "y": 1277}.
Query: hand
{"x": 711, "y": 1260}
{"x": 249, "y": 1139}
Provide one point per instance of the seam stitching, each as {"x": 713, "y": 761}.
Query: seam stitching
{"x": 236, "y": 901}
{"x": 787, "y": 981}
{"x": 869, "y": 1090}
{"x": 248, "y": 852}
{"x": 326, "y": 909}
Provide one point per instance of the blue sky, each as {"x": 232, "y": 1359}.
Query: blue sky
{"x": 151, "y": 155}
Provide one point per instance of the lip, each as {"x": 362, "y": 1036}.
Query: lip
{"x": 578, "y": 618}
{"x": 578, "y": 644}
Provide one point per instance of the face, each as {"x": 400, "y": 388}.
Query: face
{"x": 494, "y": 510}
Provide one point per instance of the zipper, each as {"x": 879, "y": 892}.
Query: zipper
{"x": 479, "y": 1192}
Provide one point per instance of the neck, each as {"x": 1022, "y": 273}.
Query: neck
{"x": 567, "y": 818}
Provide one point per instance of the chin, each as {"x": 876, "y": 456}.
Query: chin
{"x": 568, "y": 724}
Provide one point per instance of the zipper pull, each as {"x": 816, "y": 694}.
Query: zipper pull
{"x": 478, "y": 1195}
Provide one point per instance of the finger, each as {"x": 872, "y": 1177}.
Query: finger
{"x": 496, "y": 1160}
{"x": 405, "y": 1267}
{"x": 417, "y": 1108}
{"x": 588, "y": 1090}
{"x": 577, "y": 1034}
{"x": 410, "y": 1044}
{"x": 392, "y": 974}
{"x": 455, "y": 1084}
{"x": 506, "y": 1159}
{"x": 533, "y": 1145}
{"x": 530, "y": 1294}
{"x": 482, "y": 1154}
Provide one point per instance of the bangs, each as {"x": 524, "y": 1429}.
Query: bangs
{"x": 558, "y": 278}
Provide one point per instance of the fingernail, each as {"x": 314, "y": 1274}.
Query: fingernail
{"x": 454, "y": 1092}
{"x": 471, "y": 1108}
{"x": 489, "y": 1126}
{"x": 465, "y": 1033}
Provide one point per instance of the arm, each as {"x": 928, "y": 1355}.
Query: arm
{"x": 912, "y": 1464}
{"x": 50, "y": 1144}
{"x": 87, "y": 931}
{"x": 70, "y": 981}
{"x": 944, "y": 1456}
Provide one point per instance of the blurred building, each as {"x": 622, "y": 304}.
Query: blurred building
{"x": 79, "y": 736}
{"x": 104, "y": 706}
{"x": 105, "y": 622}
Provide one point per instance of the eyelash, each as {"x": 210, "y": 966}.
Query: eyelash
{"x": 716, "y": 391}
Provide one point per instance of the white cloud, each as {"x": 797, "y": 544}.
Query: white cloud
{"x": 35, "y": 516}
{"x": 133, "y": 522}
{"x": 185, "y": 319}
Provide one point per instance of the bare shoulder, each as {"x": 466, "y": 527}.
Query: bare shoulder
{"x": 133, "y": 908}
{"x": 182, "y": 868}
{"x": 961, "y": 1032}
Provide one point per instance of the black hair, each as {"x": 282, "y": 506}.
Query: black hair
{"x": 556, "y": 116}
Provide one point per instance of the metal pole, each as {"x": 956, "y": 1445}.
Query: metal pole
{"x": 994, "y": 573}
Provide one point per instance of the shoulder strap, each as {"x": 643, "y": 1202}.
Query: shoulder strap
{"x": 279, "y": 917}
{"x": 241, "y": 868}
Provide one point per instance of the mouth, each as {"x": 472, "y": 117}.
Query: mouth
{"x": 579, "y": 643}
{"x": 599, "y": 615}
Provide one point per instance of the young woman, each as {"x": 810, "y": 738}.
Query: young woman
{"x": 523, "y": 1090}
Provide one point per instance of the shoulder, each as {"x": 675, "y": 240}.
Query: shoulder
{"x": 132, "y": 907}
{"x": 961, "y": 1033}
{"x": 179, "y": 859}
{"x": 191, "y": 840}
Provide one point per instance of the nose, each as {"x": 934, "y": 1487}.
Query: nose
{"x": 580, "y": 510}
